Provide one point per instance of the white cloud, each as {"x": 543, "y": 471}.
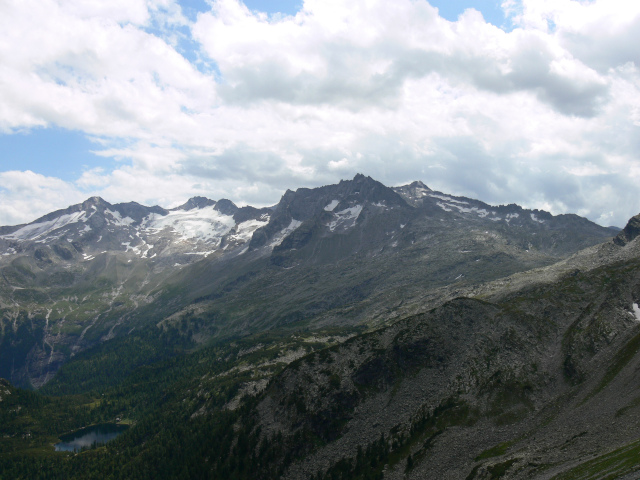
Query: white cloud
{"x": 342, "y": 164}
{"x": 24, "y": 196}
{"x": 601, "y": 33}
{"x": 89, "y": 66}
{"x": 545, "y": 114}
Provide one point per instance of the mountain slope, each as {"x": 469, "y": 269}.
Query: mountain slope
{"x": 359, "y": 252}
{"x": 529, "y": 384}
{"x": 531, "y": 376}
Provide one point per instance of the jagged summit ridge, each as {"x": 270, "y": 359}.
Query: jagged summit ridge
{"x": 201, "y": 226}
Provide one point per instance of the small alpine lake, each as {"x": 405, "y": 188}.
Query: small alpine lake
{"x": 89, "y": 436}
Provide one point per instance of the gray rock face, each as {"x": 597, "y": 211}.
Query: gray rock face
{"x": 629, "y": 232}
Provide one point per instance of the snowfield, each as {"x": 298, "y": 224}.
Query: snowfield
{"x": 205, "y": 224}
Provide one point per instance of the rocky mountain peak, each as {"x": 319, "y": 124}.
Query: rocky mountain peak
{"x": 95, "y": 202}
{"x": 344, "y": 201}
{"x": 628, "y": 233}
{"x": 365, "y": 189}
{"x": 413, "y": 193}
{"x": 419, "y": 184}
{"x": 359, "y": 178}
{"x": 226, "y": 207}
{"x": 138, "y": 212}
{"x": 196, "y": 202}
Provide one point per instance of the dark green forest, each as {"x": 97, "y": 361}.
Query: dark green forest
{"x": 155, "y": 381}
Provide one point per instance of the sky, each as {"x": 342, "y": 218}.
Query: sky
{"x": 534, "y": 102}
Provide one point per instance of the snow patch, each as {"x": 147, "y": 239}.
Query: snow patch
{"x": 331, "y": 206}
{"x": 244, "y": 230}
{"x": 146, "y": 253}
{"x": 536, "y": 219}
{"x": 448, "y": 199}
{"x": 636, "y": 311}
{"x": 481, "y": 212}
{"x": 277, "y": 240}
{"x": 205, "y": 254}
{"x": 345, "y": 218}
{"x": 118, "y": 220}
{"x": 135, "y": 250}
{"x": 37, "y": 230}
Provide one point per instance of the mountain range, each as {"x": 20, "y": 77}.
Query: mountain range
{"x": 93, "y": 271}
{"x": 350, "y": 331}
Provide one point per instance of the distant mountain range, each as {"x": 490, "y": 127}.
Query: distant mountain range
{"x": 349, "y": 253}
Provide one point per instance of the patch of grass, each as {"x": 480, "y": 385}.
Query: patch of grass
{"x": 496, "y": 451}
{"x": 609, "y": 466}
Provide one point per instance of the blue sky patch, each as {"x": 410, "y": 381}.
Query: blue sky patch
{"x": 53, "y": 152}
